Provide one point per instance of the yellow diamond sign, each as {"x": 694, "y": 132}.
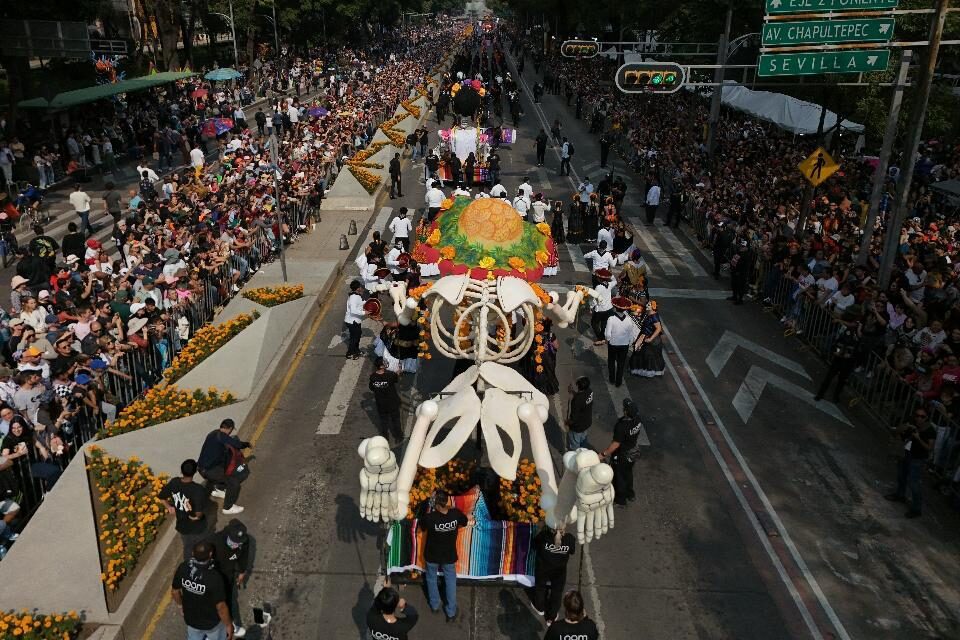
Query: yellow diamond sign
{"x": 818, "y": 166}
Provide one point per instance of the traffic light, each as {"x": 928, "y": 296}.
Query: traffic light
{"x": 650, "y": 77}
{"x": 579, "y": 48}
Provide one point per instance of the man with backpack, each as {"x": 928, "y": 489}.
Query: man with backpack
{"x": 566, "y": 154}
{"x": 221, "y": 463}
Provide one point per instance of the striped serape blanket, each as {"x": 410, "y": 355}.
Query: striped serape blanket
{"x": 491, "y": 549}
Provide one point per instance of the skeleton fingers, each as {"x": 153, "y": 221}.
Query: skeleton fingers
{"x": 594, "y": 489}
{"x": 564, "y": 314}
{"x": 378, "y": 480}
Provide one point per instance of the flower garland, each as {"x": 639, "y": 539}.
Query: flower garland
{"x": 361, "y": 156}
{"x": 204, "y": 343}
{"x": 272, "y": 296}
{"x": 423, "y": 91}
{"x": 455, "y": 477}
{"x": 367, "y": 179}
{"x": 163, "y": 405}
{"x": 411, "y": 108}
{"x": 397, "y": 137}
{"x": 133, "y": 513}
{"x": 520, "y": 498}
{"x": 40, "y": 626}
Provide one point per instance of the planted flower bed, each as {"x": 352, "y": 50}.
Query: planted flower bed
{"x": 205, "y": 341}
{"x": 26, "y": 625}
{"x": 273, "y": 296}
{"x": 163, "y": 405}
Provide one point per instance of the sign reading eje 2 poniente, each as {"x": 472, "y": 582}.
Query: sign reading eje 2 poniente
{"x": 823, "y": 6}
{"x": 827, "y": 31}
{"x": 810, "y": 63}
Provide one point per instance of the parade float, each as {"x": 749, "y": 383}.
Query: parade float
{"x": 482, "y": 438}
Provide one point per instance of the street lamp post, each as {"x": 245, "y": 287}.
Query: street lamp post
{"x": 233, "y": 33}
{"x": 275, "y": 159}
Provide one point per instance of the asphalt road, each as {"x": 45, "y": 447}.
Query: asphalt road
{"x": 759, "y": 515}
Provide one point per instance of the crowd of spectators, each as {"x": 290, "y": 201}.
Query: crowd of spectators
{"x": 88, "y": 328}
{"x": 751, "y": 194}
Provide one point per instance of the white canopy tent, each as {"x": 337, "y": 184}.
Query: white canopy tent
{"x": 792, "y": 114}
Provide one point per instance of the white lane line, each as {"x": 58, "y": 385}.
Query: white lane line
{"x": 576, "y": 257}
{"x": 691, "y": 294}
{"x": 594, "y": 592}
{"x": 655, "y": 250}
{"x": 380, "y": 224}
{"x": 339, "y": 403}
{"x": 336, "y": 341}
{"x": 684, "y": 254}
{"x": 744, "y": 504}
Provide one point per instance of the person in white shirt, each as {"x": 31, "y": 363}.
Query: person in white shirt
{"x": 434, "y": 198}
{"x": 605, "y": 235}
{"x": 539, "y": 209}
{"x": 841, "y": 299}
{"x": 621, "y": 332}
{"x": 353, "y": 317}
{"x": 498, "y": 191}
{"x": 585, "y": 189}
{"x": 81, "y": 205}
{"x": 652, "y": 201}
{"x": 392, "y": 259}
{"x": 602, "y": 259}
{"x": 401, "y": 227}
{"x": 916, "y": 281}
{"x": 826, "y": 285}
{"x": 150, "y": 172}
{"x": 481, "y": 194}
{"x": 521, "y": 204}
{"x": 196, "y": 159}
{"x": 601, "y": 305}
{"x": 460, "y": 191}
{"x": 526, "y": 188}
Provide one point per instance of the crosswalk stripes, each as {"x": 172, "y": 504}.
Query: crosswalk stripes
{"x": 682, "y": 252}
{"x": 335, "y": 412}
{"x": 663, "y": 259}
{"x": 592, "y": 167}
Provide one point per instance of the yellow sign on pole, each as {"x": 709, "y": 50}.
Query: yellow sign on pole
{"x": 818, "y": 166}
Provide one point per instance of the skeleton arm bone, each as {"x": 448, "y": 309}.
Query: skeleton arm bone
{"x": 566, "y": 313}
{"x": 426, "y": 414}
{"x": 534, "y": 416}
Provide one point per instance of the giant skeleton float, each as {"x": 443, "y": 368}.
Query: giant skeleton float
{"x": 486, "y": 308}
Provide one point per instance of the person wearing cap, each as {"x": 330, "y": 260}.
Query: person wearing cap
{"x": 18, "y": 293}
{"x": 214, "y": 460}
{"x": 188, "y": 501}
{"x": 623, "y": 451}
{"x": 601, "y": 259}
{"x": 231, "y": 556}
{"x": 401, "y": 228}
{"x": 601, "y": 305}
{"x": 353, "y": 317}
{"x": 621, "y": 332}
{"x": 32, "y": 358}
{"x": 199, "y": 592}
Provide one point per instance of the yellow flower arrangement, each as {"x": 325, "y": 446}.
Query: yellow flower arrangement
{"x": 517, "y": 263}
{"x": 543, "y": 228}
{"x": 367, "y": 179}
{"x": 397, "y": 137}
{"x": 446, "y": 203}
{"x": 411, "y": 108}
{"x": 455, "y": 478}
{"x": 26, "y": 625}
{"x": 417, "y": 292}
{"x": 520, "y": 498}
{"x": 541, "y": 293}
{"x": 542, "y": 258}
{"x": 448, "y": 253}
{"x": 487, "y": 262}
{"x": 363, "y": 155}
{"x": 434, "y": 238}
{"x": 422, "y": 90}
{"x": 272, "y": 296}
{"x": 133, "y": 513}
{"x": 204, "y": 342}
{"x": 163, "y": 405}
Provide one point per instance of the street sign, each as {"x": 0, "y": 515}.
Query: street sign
{"x": 650, "y": 77}
{"x": 827, "y": 31}
{"x": 813, "y": 63}
{"x": 823, "y": 6}
{"x": 579, "y": 48}
{"x": 818, "y": 166}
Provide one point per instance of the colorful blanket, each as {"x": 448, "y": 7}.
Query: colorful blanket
{"x": 491, "y": 549}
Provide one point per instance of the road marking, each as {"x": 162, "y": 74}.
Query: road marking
{"x": 748, "y": 395}
{"x": 688, "y": 259}
{"x": 339, "y": 403}
{"x": 336, "y": 341}
{"x": 728, "y": 343}
{"x": 692, "y": 294}
{"x": 754, "y": 485}
{"x": 544, "y": 178}
{"x": 654, "y": 249}
{"x": 577, "y": 259}
{"x": 594, "y": 592}
{"x": 380, "y": 223}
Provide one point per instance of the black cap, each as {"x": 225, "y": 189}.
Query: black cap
{"x": 237, "y": 531}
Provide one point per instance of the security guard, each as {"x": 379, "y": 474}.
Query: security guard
{"x": 623, "y": 451}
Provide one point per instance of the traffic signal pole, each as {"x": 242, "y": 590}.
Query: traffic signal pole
{"x": 899, "y": 212}
{"x": 718, "y": 77}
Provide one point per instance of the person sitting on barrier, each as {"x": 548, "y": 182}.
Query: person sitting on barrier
{"x": 217, "y": 464}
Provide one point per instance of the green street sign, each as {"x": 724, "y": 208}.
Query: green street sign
{"x": 814, "y": 63}
{"x": 823, "y": 6}
{"x": 827, "y": 31}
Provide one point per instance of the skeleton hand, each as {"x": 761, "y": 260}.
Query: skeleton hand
{"x": 378, "y": 480}
{"x": 594, "y": 494}
{"x": 566, "y": 313}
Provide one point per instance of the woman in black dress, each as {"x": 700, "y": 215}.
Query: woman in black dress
{"x": 591, "y": 219}
{"x": 647, "y": 358}
{"x": 556, "y": 225}
{"x": 468, "y": 166}
{"x": 575, "y": 221}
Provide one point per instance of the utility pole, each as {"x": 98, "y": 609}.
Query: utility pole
{"x": 880, "y": 177}
{"x": 233, "y": 32}
{"x": 274, "y": 158}
{"x": 809, "y": 191}
{"x": 718, "y": 77}
{"x": 913, "y": 143}
{"x": 276, "y": 37}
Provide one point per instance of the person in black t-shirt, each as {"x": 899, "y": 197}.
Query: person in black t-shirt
{"x": 580, "y": 414}
{"x": 390, "y": 617}
{"x": 575, "y": 623}
{"x": 383, "y": 383}
{"x": 918, "y": 440}
{"x": 231, "y": 553}
{"x": 198, "y": 590}
{"x": 187, "y": 500}
{"x": 440, "y": 551}
{"x": 553, "y": 552}
{"x": 622, "y": 452}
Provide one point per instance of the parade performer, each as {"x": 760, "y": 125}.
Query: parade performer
{"x": 647, "y": 359}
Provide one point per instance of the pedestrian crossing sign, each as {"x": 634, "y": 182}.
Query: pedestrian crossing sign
{"x": 818, "y": 166}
